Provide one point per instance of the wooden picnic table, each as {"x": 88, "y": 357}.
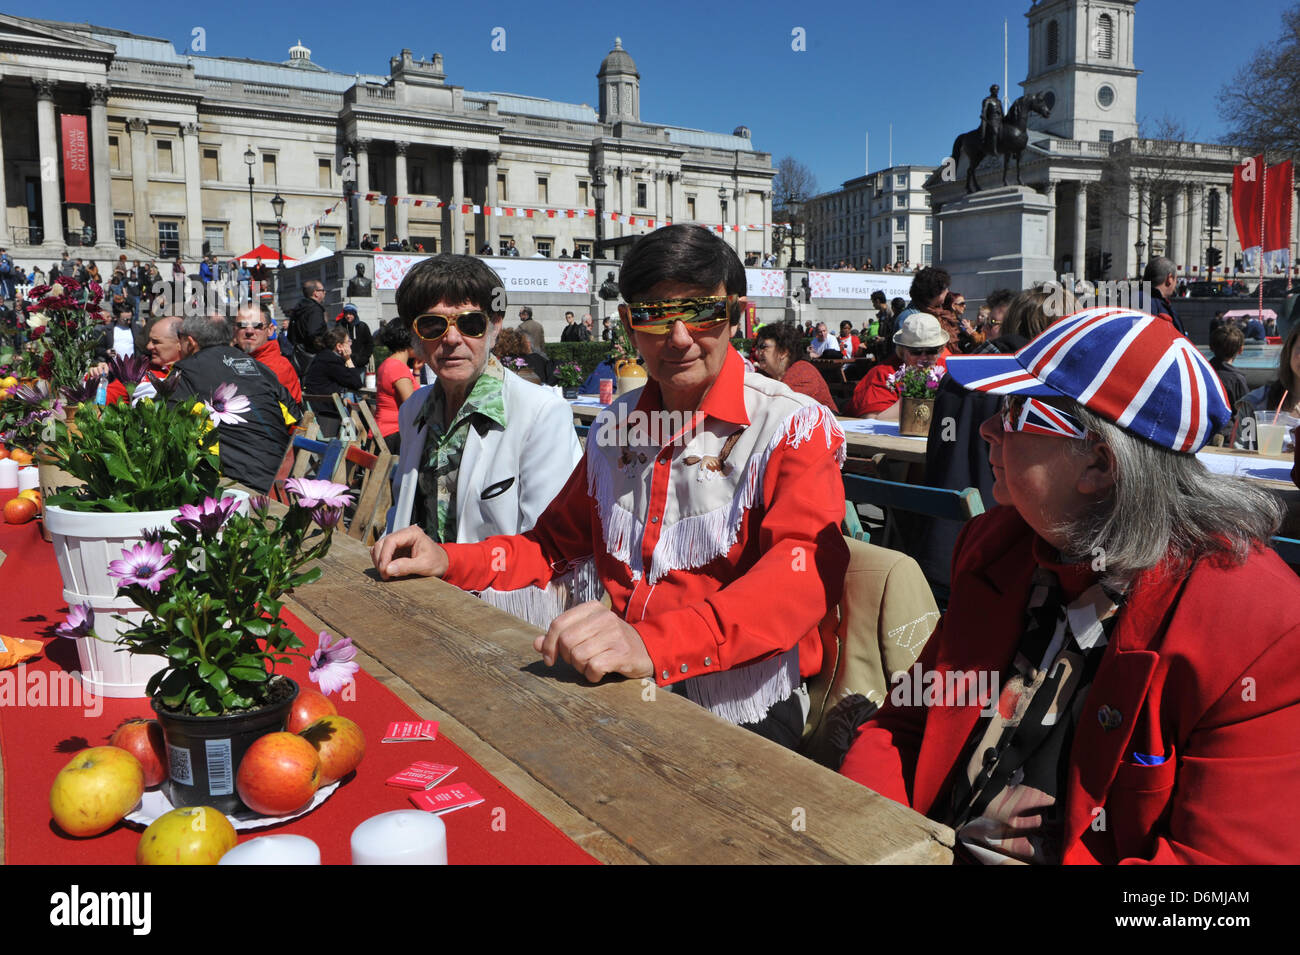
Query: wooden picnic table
{"x": 630, "y": 771}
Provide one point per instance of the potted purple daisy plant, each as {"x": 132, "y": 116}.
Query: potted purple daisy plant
{"x": 209, "y": 585}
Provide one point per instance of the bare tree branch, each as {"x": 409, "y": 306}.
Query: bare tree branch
{"x": 1262, "y": 103}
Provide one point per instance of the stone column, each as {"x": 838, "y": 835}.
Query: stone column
{"x": 659, "y": 197}
{"x": 767, "y": 225}
{"x": 403, "y": 186}
{"x": 140, "y": 183}
{"x": 1049, "y": 191}
{"x": 491, "y": 198}
{"x": 1195, "y": 229}
{"x": 458, "y": 197}
{"x": 51, "y": 204}
{"x": 1080, "y": 229}
{"x": 674, "y": 196}
{"x": 102, "y": 175}
{"x": 193, "y": 194}
{"x": 361, "y": 152}
{"x": 1177, "y": 235}
{"x": 624, "y": 196}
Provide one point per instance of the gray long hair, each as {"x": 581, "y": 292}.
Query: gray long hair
{"x": 1164, "y": 504}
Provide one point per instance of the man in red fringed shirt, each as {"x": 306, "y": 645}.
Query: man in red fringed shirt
{"x": 708, "y": 504}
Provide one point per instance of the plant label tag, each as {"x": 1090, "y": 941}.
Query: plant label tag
{"x": 421, "y": 775}
{"x": 446, "y": 799}
{"x": 178, "y": 765}
{"x": 401, "y": 731}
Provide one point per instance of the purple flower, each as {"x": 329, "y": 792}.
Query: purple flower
{"x": 129, "y": 369}
{"x": 310, "y": 493}
{"x": 326, "y": 516}
{"x": 80, "y": 622}
{"x": 144, "y": 565}
{"x": 260, "y": 504}
{"x": 209, "y": 516}
{"x": 332, "y": 665}
{"x": 228, "y": 407}
{"x": 82, "y": 393}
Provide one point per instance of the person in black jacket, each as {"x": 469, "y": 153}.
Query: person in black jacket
{"x": 308, "y": 316}
{"x": 1163, "y": 276}
{"x": 331, "y": 372}
{"x": 359, "y": 332}
{"x": 251, "y": 449}
{"x": 956, "y": 457}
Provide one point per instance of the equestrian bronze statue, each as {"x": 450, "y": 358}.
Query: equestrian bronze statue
{"x": 1008, "y": 134}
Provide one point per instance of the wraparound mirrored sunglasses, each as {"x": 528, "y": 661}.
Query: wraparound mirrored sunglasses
{"x": 1031, "y": 416}
{"x": 698, "y": 314}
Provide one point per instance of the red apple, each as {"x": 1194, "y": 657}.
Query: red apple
{"x": 20, "y": 510}
{"x": 278, "y": 774}
{"x": 310, "y": 706}
{"x": 340, "y": 744}
{"x": 143, "y": 739}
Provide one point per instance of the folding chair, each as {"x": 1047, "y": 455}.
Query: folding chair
{"x": 374, "y": 496}
{"x": 331, "y": 454}
{"x": 1288, "y": 548}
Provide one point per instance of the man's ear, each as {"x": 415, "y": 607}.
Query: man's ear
{"x": 1097, "y": 479}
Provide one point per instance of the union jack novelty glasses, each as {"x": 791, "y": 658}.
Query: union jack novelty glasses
{"x": 1032, "y": 416}
{"x": 699, "y": 314}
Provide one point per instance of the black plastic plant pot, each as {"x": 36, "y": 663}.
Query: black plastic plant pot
{"x": 203, "y": 752}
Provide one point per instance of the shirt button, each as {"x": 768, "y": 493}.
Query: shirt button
{"x": 654, "y": 520}
{"x": 665, "y": 674}
{"x": 708, "y": 662}
{"x": 684, "y": 667}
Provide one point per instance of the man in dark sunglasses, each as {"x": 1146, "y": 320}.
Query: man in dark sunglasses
{"x": 708, "y": 505}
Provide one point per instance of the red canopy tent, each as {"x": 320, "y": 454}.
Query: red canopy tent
{"x": 266, "y": 255}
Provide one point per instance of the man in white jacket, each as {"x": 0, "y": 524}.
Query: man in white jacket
{"x": 483, "y": 452}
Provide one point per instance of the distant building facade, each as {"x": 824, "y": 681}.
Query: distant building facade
{"x": 884, "y": 216}
{"x": 171, "y": 135}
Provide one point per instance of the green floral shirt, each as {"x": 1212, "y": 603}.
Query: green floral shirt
{"x": 435, "y": 499}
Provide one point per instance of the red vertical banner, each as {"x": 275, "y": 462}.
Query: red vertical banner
{"x": 76, "y": 160}
{"x": 751, "y": 316}
{"x": 1277, "y": 220}
{"x": 1247, "y": 200}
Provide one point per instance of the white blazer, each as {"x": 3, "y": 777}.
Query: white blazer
{"x": 521, "y": 467}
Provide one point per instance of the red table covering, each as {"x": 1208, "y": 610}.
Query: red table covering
{"x": 36, "y": 741}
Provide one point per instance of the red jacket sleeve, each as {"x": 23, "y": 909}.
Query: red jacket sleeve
{"x": 782, "y": 597}
{"x": 872, "y": 395}
{"x": 510, "y": 561}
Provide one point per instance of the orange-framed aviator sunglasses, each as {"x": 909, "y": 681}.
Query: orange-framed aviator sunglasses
{"x": 473, "y": 324}
{"x": 698, "y": 314}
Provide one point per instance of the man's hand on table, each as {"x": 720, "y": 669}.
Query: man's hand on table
{"x": 408, "y": 553}
{"x": 596, "y": 641}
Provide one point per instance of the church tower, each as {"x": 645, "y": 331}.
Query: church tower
{"x": 1081, "y": 60}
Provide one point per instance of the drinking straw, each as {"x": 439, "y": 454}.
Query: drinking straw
{"x": 1282, "y": 402}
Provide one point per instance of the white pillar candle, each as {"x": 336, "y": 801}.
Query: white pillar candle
{"x": 8, "y": 474}
{"x": 282, "y": 849}
{"x": 29, "y": 478}
{"x": 403, "y": 837}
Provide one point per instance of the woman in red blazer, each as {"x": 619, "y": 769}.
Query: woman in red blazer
{"x": 1142, "y": 641}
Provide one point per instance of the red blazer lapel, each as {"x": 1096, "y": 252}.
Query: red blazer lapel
{"x": 981, "y": 632}
{"x": 1116, "y": 697}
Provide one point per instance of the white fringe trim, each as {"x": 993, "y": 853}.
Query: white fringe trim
{"x": 694, "y": 541}
{"x": 746, "y": 694}
{"x": 540, "y": 605}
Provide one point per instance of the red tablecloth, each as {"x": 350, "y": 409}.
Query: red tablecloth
{"x": 36, "y": 741}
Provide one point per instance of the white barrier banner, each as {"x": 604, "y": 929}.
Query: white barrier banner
{"x": 517, "y": 275}
{"x": 859, "y": 284}
{"x": 765, "y": 283}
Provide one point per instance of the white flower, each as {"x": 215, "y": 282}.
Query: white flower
{"x": 37, "y": 320}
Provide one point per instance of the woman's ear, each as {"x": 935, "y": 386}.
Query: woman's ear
{"x": 1097, "y": 479}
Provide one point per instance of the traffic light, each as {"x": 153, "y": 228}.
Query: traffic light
{"x": 1213, "y": 256}
{"x": 1105, "y": 262}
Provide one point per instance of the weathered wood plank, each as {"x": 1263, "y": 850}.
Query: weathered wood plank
{"x": 571, "y": 822}
{"x": 664, "y": 777}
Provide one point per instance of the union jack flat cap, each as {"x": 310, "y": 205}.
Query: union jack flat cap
{"x": 1128, "y": 367}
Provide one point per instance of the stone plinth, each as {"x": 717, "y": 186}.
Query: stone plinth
{"x": 998, "y": 238}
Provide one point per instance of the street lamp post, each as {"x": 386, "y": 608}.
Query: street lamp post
{"x": 277, "y": 205}
{"x": 598, "y": 186}
{"x": 795, "y": 208}
{"x": 722, "y": 209}
{"x": 1139, "y": 247}
{"x": 250, "y": 157}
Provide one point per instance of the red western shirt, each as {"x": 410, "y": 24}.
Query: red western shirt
{"x": 270, "y": 356}
{"x": 722, "y": 548}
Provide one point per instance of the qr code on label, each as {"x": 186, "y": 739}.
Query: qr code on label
{"x": 178, "y": 760}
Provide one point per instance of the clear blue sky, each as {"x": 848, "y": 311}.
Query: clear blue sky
{"x": 922, "y": 66}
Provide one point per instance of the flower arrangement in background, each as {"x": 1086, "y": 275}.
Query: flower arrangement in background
{"x": 569, "y": 375}
{"x": 914, "y": 381}
{"x": 210, "y": 585}
{"x": 63, "y": 327}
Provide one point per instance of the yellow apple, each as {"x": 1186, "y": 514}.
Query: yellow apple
{"x": 190, "y": 835}
{"x": 95, "y": 790}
